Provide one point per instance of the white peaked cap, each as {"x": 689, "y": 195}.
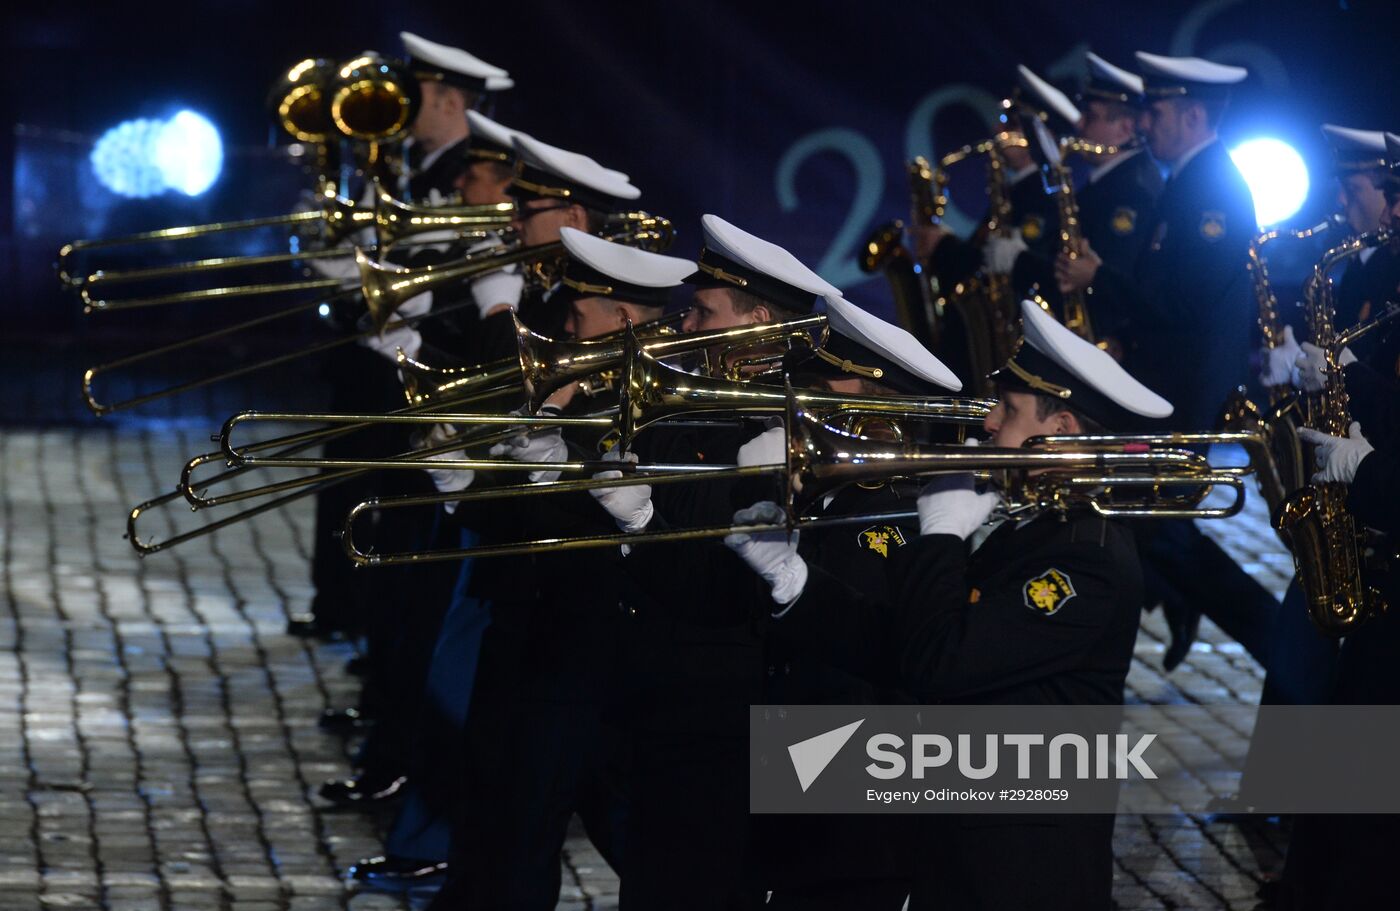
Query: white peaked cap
{"x": 1103, "y": 71}
{"x": 626, "y": 264}
{"x": 574, "y": 168}
{"x": 1089, "y": 364}
{"x": 1189, "y": 69}
{"x": 492, "y": 131}
{"x": 1045, "y": 140}
{"x": 456, "y": 60}
{"x": 889, "y": 341}
{"x": 763, "y": 256}
{"x": 1049, "y": 97}
{"x": 1347, "y": 139}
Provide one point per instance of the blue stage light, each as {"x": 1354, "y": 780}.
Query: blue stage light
{"x": 1277, "y": 178}
{"x": 189, "y": 153}
{"x": 143, "y": 157}
{"x": 122, "y": 161}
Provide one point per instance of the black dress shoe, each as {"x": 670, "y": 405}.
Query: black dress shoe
{"x": 343, "y": 721}
{"x": 1183, "y": 623}
{"x": 398, "y": 874}
{"x": 365, "y": 789}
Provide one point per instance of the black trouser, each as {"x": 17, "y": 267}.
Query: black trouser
{"x": 690, "y": 824}
{"x": 1190, "y": 573}
{"x": 1016, "y": 863}
{"x": 401, "y": 628}
{"x": 564, "y": 759}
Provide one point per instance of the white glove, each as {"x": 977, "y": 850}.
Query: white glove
{"x": 768, "y": 448}
{"x": 450, "y": 480}
{"x": 999, "y": 254}
{"x": 395, "y": 337}
{"x": 629, "y": 506}
{"x": 1312, "y": 366}
{"x": 1338, "y": 457}
{"x": 342, "y": 267}
{"x": 1281, "y": 361}
{"x": 949, "y": 505}
{"x": 771, "y": 554}
{"x": 539, "y": 446}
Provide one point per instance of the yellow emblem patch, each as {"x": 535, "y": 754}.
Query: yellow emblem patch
{"x": 1032, "y": 228}
{"x": 1048, "y": 592}
{"x": 1212, "y": 225}
{"x": 879, "y": 538}
{"x": 1124, "y": 221}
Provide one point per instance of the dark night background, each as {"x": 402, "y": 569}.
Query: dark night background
{"x": 791, "y": 120}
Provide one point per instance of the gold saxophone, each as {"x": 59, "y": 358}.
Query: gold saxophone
{"x": 1285, "y": 470}
{"x": 1326, "y": 543}
{"x": 986, "y": 301}
{"x": 885, "y": 252}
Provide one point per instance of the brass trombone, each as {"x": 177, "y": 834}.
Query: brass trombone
{"x": 383, "y": 288}
{"x": 821, "y": 459}
{"x": 368, "y": 98}
{"x": 544, "y": 366}
{"x": 538, "y": 356}
{"x": 393, "y": 222}
{"x": 651, "y": 393}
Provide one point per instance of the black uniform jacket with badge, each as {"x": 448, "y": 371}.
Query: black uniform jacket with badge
{"x": 1033, "y": 213}
{"x": 1041, "y": 614}
{"x": 1188, "y": 298}
{"x": 1115, "y": 213}
{"x": 694, "y": 635}
{"x": 859, "y": 556}
{"x": 1362, "y": 294}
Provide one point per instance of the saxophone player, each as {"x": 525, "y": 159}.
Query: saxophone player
{"x": 1188, "y": 292}
{"x": 1117, "y": 201}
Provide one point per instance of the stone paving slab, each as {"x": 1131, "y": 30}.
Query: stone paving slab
{"x": 158, "y": 746}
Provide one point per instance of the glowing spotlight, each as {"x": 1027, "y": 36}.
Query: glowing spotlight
{"x": 324, "y": 310}
{"x": 122, "y": 162}
{"x": 1277, "y": 178}
{"x": 143, "y": 157}
{"x": 189, "y": 153}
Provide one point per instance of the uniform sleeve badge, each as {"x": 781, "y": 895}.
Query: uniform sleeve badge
{"x": 1032, "y": 228}
{"x": 1212, "y": 225}
{"x": 1124, "y": 221}
{"x": 1048, "y": 592}
{"x": 880, "y": 538}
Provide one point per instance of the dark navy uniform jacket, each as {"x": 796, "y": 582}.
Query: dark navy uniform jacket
{"x": 1188, "y": 297}
{"x": 1045, "y": 613}
{"x": 1362, "y": 294}
{"x": 1116, "y": 212}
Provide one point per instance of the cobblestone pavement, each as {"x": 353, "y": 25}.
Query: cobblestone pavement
{"x": 158, "y": 746}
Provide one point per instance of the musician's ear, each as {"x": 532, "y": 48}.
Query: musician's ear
{"x": 1065, "y": 422}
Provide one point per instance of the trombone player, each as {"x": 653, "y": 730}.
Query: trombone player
{"x": 844, "y": 861}
{"x": 691, "y": 639}
{"x": 1042, "y": 612}
{"x": 540, "y": 742}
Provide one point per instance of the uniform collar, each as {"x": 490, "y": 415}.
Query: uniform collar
{"x": 1181, "y": 163}
{"x": 1102, "y": 170}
